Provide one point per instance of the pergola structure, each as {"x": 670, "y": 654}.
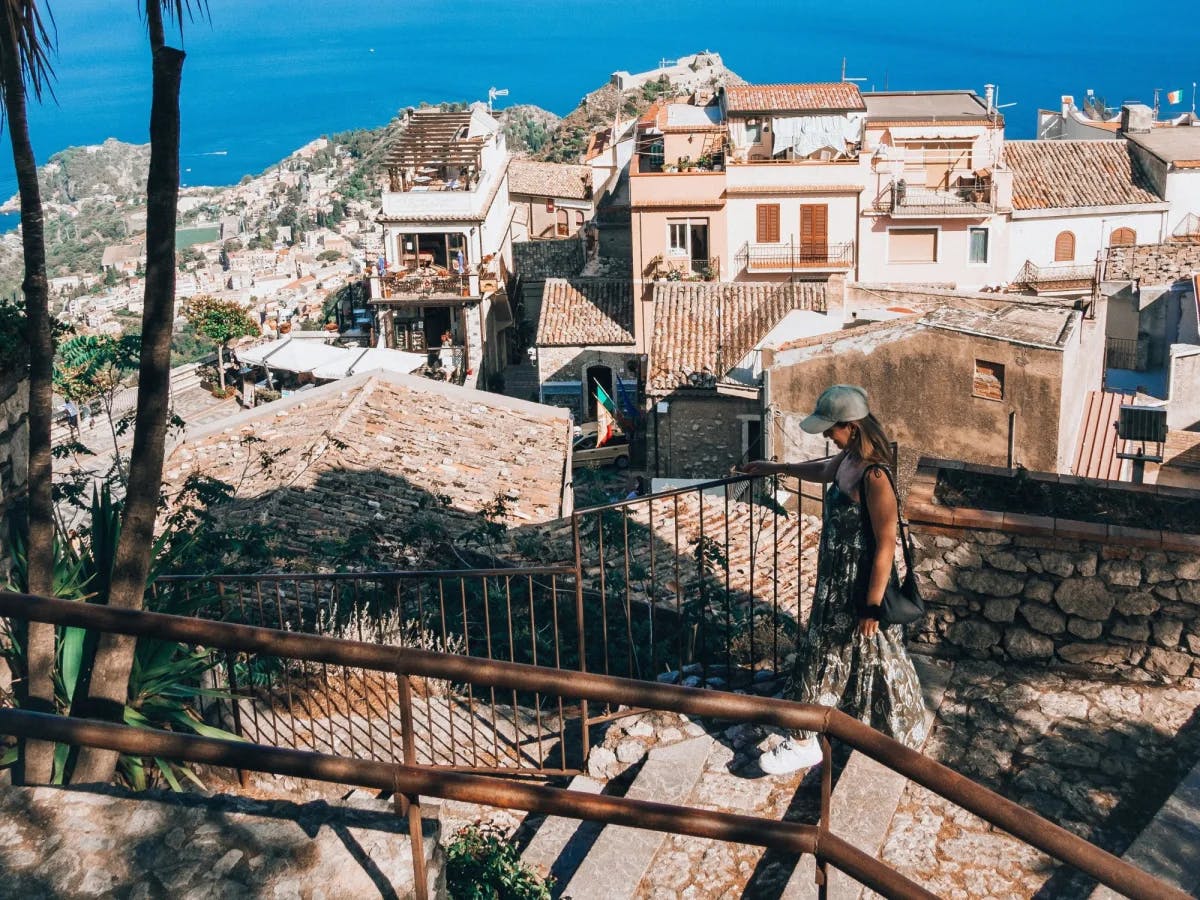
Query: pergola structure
{"x": 435, "y": 152}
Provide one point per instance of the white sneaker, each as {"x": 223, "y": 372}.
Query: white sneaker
{"x": 791, "y": 756}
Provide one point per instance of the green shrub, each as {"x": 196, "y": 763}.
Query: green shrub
{"x": 482, "y": 865}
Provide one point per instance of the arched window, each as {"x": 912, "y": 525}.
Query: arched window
{"x": 563, "y": 223}
{"x": 1122, "y": 237}
{"x": 1064, "y": 247}
{"x": 578, "y": 219}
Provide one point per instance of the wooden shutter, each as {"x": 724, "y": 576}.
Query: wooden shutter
{"x": 768, "y": 223}
{"x": 912, "y": 245}
{"x": 1064, "y": 247}
{"x": 814, "y": 231}
{"x": 1123, "y": 237}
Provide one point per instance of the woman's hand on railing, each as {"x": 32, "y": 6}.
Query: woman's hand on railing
{"x": 756, "y": 467}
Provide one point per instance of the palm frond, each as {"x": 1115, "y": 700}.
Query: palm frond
{"x": 33, "y": 35}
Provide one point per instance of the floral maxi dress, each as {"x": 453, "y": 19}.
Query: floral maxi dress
{"x": 870, "y": 678}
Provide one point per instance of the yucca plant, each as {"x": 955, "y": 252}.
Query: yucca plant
{"x": 166, "y": 678}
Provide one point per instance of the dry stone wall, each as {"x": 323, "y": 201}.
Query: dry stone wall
{"x": 1153, "y": 263}
{"x": 1023, "y": 598}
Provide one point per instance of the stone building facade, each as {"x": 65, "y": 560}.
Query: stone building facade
{"x": 1030, "y": 589}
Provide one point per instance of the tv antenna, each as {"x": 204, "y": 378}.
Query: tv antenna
{"x": 493, "y": 93}
{"x": 850, "y": 78}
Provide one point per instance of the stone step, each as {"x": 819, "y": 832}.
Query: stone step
{"x": 865, "y": 800}
{"x": 620, "y": 857}
{"x": 1169, "y": 847}
{"x": 560, "y": 844}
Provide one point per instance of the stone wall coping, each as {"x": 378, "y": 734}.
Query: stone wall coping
{"x": 922, "y": 509}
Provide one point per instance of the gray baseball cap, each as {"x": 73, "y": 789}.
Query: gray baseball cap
{"x": 840, "y": 403}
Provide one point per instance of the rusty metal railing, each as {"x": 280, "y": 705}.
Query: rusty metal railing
{"x": 524, "y": 615}
{"x": 410, "y": 782}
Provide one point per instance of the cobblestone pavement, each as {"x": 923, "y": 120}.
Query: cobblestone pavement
{"x": 1096, "y": 757}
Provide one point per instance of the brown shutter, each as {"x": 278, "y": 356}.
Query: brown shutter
{"x": 1064, "y": 247}
{"x": 1123, "y": 237}
{"x": 912, "y": 245}
{"x": 814, "y": 231}
{"x": 768, "y": 223}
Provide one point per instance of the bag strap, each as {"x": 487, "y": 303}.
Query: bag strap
{"x": 905, "y": 537}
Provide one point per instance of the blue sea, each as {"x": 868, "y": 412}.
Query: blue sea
{"x": 263, "y": 77}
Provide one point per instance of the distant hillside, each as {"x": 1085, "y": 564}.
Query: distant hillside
{"x": 528, "y": 128}
{"x": 110, "y": 170}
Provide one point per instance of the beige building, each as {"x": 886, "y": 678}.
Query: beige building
{"x": 996, "y": 384}
{"x": 549, "y": 200}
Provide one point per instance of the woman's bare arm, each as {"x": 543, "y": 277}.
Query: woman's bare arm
{"x": 814, "y": 470}
{"x": 880, "y": 500}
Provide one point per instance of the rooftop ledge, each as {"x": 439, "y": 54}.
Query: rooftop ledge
{"x": 952, "y": 495}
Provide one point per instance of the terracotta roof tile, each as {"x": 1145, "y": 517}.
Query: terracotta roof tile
{"x": 832, "y": 95}
{"x": 582, "y": 312}
{"x": 1066, "y": 174}
{"x": 376, "y": 455}
{"x": 547, "y": 179}
{"x": 708, "y": 327}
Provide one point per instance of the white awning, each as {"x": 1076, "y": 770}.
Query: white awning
{"x": 291, "y": 355}
{"x": 369, "y": 360}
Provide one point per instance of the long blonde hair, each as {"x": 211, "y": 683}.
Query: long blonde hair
{"x": 870, "y": 441}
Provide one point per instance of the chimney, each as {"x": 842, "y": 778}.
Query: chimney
{"x": 1068, "y": 104}
{"x": 989, "y": 96}
{"x": 1136, "y": 118}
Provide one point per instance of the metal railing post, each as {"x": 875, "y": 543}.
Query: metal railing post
{"x": 580, "y": 636}
{"x": 409, "y": 805}
{"x": 823, "y": 828}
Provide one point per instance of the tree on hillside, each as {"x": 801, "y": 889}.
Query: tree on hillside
{"x": 25, "y": 68}
{"x": 109, "y": 686}
{"x": 221, "y": 321}
{"x": 98, "y": 367}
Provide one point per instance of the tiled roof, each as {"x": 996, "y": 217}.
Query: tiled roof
{"x": 584, "y": 312}
{"x": 1066, "y": 174}
{"x": 538, "y": 260}
{"x": 376, "y": 457}
{"x": 708, "y": 327}
{"x": 547, "y": 179}
{"x": 1096, "y": 453}
{"x": 832, "y": 95}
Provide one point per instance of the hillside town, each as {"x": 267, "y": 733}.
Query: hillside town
{"x": 549, "y": 413}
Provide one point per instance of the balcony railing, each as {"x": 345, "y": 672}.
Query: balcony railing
{"x": 792, "y": 257}
{"x": 1066, "y": 277}
{"x": 971, "y": 197}
{"x": 1125, "y": 353}
{"x": 403, "y": 285}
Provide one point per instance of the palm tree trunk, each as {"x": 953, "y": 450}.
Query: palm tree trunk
{"x": 115, "y": 653}
{"x": 38, "y": 756}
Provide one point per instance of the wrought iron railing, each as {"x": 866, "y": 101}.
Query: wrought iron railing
{"x": 402, "y": 285}
{"x": 1124, "y": 353}
{"x": 1054, "y": 277}
{"x": 791, "y": 257}
{"x": 408, "y": 779}
{"x": 970, "y": 197}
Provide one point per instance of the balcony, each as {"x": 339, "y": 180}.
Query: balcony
{"x": 968, "y": 198}
{"x": 417, "y": 286}
{"x": 774, "y": 258}
{"x": 1056, "y": 278}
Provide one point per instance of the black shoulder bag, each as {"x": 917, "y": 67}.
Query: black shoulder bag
{"x": 902, "y": 603}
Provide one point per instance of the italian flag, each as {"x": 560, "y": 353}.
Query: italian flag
{"x": 1174, "y": 97}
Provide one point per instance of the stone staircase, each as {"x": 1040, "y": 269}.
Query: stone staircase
{"x": 593, "y": 862}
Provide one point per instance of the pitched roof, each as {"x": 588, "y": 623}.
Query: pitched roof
{"x": 547, "y": 179}
{"x": 376, "y": 456}
{"x": 708, "y": 327}
{"x": 830, "y": 95}
{"x": 1071, "y": 174}
{"x": 585, "y": 312}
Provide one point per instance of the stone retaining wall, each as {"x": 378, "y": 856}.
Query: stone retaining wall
{"x": 1152, "y": 263}
{"x": 1030, "y": 589}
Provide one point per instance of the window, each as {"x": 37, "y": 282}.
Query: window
{"x": 912, "y": 245}
{"x": 677, "y": 238}
{"x": 977, "y": 251}
{"x": 1064, "y": 247}
{"x": 688, "y": 237}
{"x": 989, "y": 380}
{"x": 754, "y": 132}
{"x": 1122, "y": 237}
{"x": 768, "y": 223}
{"x": 562, "y": 223}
